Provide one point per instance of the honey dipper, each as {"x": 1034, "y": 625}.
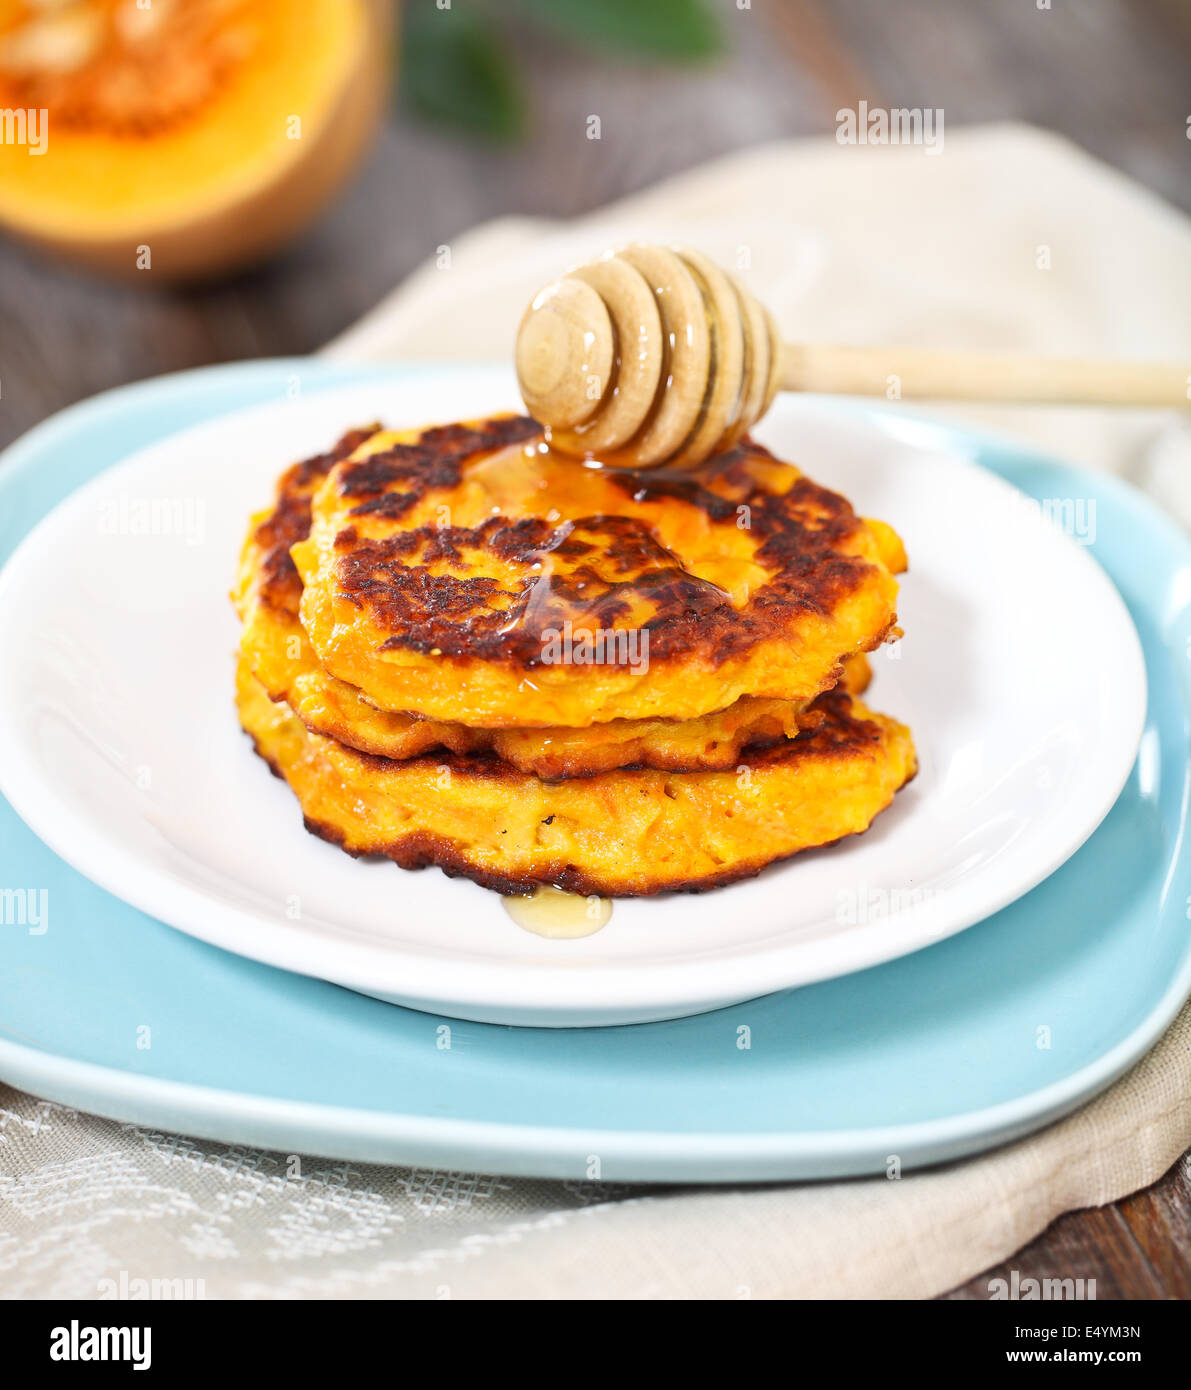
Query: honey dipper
{"x": 654, "y": 357}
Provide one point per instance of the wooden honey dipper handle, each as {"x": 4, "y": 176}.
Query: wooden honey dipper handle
{"x": 655, "y": 357}
{"x": 926, "y": 373}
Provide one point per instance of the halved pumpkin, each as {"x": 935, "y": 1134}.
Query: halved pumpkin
{"x": 182, "y": 137}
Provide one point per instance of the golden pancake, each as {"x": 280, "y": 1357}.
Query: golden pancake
{"x": 268, "y": 595}
{"x": 468, "y": 574}
{"x": 622, "y": 833}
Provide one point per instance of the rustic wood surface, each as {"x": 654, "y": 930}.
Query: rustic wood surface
{"x": 1109, "y": 74}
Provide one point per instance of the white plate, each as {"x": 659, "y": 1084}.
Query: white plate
{"x": 1021, "y": 676}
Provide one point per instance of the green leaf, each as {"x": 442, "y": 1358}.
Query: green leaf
{"x": 655, "y": 28}
{"x": 455, "y": 71}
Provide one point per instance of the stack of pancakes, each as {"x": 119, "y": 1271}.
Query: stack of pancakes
{"x": 462, "y": 649}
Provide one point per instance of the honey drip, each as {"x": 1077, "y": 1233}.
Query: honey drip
{"x": 557, "y": 915}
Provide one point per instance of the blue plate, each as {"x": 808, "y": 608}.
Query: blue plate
{"x": 967, "y": 1044}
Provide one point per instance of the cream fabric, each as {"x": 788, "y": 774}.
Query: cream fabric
{"x": 852, "y": 244}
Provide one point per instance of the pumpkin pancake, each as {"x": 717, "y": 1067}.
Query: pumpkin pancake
{"x": 468, "y": 574}
{"x": 268, "y": 594}
{"x": 629, "y": 832}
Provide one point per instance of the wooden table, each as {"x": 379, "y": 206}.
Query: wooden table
{"x": 1109, "y": 74}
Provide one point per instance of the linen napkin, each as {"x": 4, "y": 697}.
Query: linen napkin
{"x": 1011, "y": 240}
